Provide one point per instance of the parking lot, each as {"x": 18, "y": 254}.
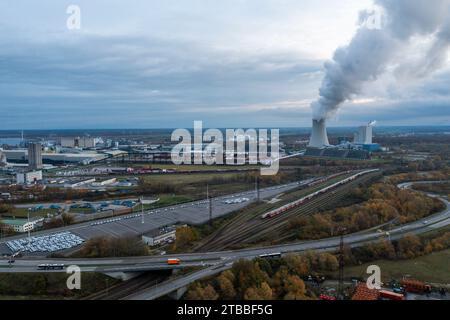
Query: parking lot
{"x": 47, "y": 243}
{"x": 193, "y": 213}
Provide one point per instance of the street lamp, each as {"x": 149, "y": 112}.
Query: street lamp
{"x": 142, "y": 209}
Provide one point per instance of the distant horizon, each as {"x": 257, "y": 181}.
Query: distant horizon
{"x": 223, "y": 128}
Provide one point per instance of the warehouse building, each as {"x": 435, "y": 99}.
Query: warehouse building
{"x": 27, "y": 178}
{"x": 21, "y": 225}
{"x": 160, "y": 236}
{"x": 21, "y": 156}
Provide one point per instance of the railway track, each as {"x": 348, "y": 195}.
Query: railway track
{"x": 255, "y": 228}
{"x": 249, "y": 215}
{"x": 126, "y": 288}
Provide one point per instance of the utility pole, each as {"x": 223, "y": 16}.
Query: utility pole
{"x": 29, "y": 236}
{"x": 341, "y": 265}
{"x": 257, "y": 188}
{"x": 142, "y": 210}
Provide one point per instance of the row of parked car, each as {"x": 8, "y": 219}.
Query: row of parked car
{"x": 47, "y": 243}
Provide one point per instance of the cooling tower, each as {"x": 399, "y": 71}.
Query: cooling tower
{"x": 319, "y": 138}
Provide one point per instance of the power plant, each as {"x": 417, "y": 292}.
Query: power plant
{"x": 319, "y": 137}
{"x": 364, "y": 134}
{"x": 361, "y": 147}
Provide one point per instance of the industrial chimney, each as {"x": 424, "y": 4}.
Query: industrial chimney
{"x": 319, "y": 138}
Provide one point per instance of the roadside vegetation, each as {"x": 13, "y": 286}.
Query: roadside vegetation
{"x": 438, "y": 188}
{"x": 384, "y": 203}
{"x": 284, "y": 278}
{"x": 103, "y": 247}
{"x": 264, "y": 279}
{"x": 50, "y": 285}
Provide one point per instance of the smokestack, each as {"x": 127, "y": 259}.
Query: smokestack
{"x": 319, "y": 138}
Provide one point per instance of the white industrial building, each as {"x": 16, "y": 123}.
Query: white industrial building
{"x": 364, "y": 135}
{"x": 3, "y": 162}
{"x": 29, "y": 177}
{"x": 21, "y": 156}
{"x": 80, "y": 142}
{"x": 21, "y": 225}
{"x": 104, "y": 182}
{"x": 160, "y": 236}
{"x": 79, "y": 183}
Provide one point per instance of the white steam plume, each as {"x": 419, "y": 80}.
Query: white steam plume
{"x": 375, "y": 50}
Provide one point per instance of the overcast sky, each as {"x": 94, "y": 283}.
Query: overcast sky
{"x": 164, "y": 64}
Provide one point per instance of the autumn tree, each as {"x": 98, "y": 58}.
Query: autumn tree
{"x": 295, "y": 288}
{"x": 199, "y": 292}
{"x": 185, "y": 236}
{"x": 226, "y": 285}
{"x": 248, "y": 274}
{"x": 297, "y": 264}
{"x": 263, "y": 292}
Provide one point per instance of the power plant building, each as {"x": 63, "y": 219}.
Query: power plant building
{"x": 319, "y": 137}
{"x": 364, "y": 135}
{"x": 35, "y": 156}
{"x": 361, "y": 148}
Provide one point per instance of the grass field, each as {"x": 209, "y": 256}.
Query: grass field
{"x": 82, "y": 210}
{"x": 22, "y": 213}
{"x": 433, "y": 268}
{"x": 201, "y": 167}
{"x": 188, "y": 178}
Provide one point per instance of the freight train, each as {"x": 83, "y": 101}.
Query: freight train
{"x": 307, "y": 198}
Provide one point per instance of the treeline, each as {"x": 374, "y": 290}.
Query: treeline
{"x": 440, "y": 188}
{"x": 103, "y": 247}
{"x": 262, "y": 279}
{"x": 52, "y": 285}
{"x": 408, "y": 247}
{"x": 63, "y": 220}
{"x": 385, "y": 203}
{"x": 415, "y": 176}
